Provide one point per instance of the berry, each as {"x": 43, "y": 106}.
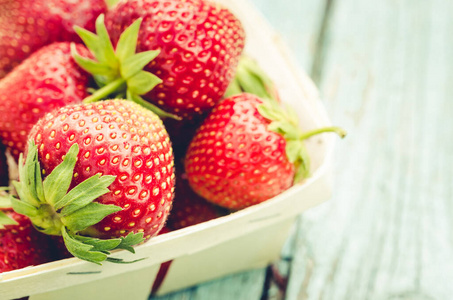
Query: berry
{"x": 247, "y": 150}
{"x": 20, "y": 244}
{"x": 196, "y": 46}
{"x": 28, "y": 25}
{"x": 47, "y": 80}
{"x": 199, "y": 42}
{"x": 115, "y": 151}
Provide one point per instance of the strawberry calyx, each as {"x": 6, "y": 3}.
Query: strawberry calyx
{"x": 251, "y": 78}
{"x": 111, "y": 3}
{"x": 5, "y": 203}
{"x": 6, "y": 220}
{"x": 118, "y": 72}
{"x": 5, "y": 200}
{"x": 286, "y": 123}
{"x": 54, "y": 210}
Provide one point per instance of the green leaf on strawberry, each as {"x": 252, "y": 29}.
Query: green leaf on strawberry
{"x": 251, "y": 78}
{"x": 5, "y": 203}
{"x": 96, "y": 250}
{"x": 82, "y": 250}
{"x": 88, "y": 215}
{"x": 5, "y": 220}
{"x": 128, "y": 241}
{"x": 24, "y": 208}
{"x": 5, "y": 200}
{"x": 82, "y": 194}
{"x": 111, "y": 3}
{"x": 118, "y": 72}
{"x": 56, "y": 211}
{"x": 285, "y": 122}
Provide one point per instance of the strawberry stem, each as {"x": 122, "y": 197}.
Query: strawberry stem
{"x": 286, "y": 123}
{"x": 161, "y": 113}
{"x": 105, "y": 91}
{"x": 341, "y": 132}
{"x": 118, "y": 72}
{"x": 6, "y": 220}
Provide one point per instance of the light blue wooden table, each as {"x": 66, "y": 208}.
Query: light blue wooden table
{"x": 384, "y": 70}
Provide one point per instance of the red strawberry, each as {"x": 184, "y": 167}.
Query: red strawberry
{"x": 20, "y": 244}
{"x": 120, "y": 140}
{"x": 188, "y": 207}
{"x": 48, "y": 79}
{"x": 199, "y": 44}
{"x": 247, "y": 151}
{"x": 27, "y": 25}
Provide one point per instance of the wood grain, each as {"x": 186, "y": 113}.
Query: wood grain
{"x": 387, "y": 233}
{"x": 246, "y": 285}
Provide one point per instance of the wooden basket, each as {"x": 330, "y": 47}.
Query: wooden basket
{"x": 247, "y": 239}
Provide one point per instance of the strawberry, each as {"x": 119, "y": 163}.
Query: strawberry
{"x": 48, "y": 79}
{"x": 247, "y": 151}
{"x": 27, "y": 25}
{"x": 108, "y": 177}
{"x": 20, "y": 244}
{"x": 196, "y": 43}
{"x": 188, "y": 207}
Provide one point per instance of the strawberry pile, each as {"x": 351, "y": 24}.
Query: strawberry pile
{"x": 131, "y": 120}
{"x": 28, "y": 25}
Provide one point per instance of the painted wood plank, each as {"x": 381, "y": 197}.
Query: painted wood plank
{"x": 299, "y": 23}
{"x": 243, "y": 286}
{"x": 387, "y": 233}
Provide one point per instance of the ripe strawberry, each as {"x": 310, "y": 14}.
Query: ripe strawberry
{"x": 188, "y": 207}
{"x": 27, "y": 25}
{"x": 20, "y": 244}
{"x": 247, "y": 151}
{"x": 199, "y": 44}
{"x": 48, "y": 79}
{"x": 120, "y": 140}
